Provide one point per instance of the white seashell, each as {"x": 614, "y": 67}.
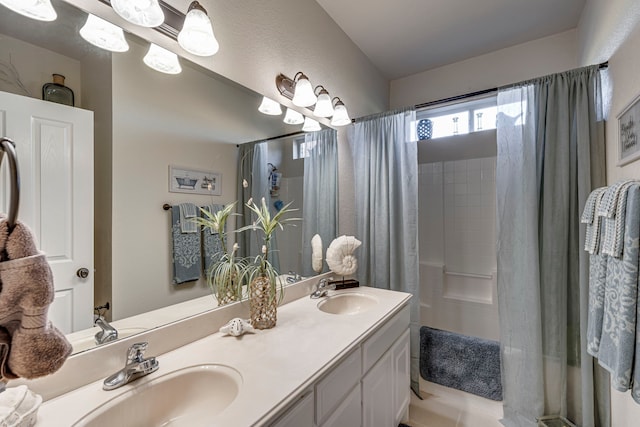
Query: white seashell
{"x": 236, "y": 327}
{"x": 340, "y": 255}
{"x": 316, "y": 253}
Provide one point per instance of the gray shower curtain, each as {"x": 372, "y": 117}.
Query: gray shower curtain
{"x": 385, "y": 163}
{"x": 550, "y": 156}
{"x": 320, "y": 194}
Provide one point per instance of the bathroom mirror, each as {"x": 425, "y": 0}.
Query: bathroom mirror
{"x": 145, "y": 122}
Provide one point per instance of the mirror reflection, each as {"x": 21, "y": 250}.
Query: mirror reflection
{"x": 142, "y": 123}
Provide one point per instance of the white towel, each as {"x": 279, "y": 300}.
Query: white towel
{"x": 593, "y": 221}
{"x": 188, "y": 211}
{"x": 614, "y": 199}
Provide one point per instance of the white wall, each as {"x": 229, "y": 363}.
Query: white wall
{"x": 511, "y": 65}
{"x": 158, "y": 120}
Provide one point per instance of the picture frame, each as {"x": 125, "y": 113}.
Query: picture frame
{"x": 628, "y": 133}
{"x": 194, "y": 181}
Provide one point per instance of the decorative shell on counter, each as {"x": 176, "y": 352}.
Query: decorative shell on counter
{"x": 340, "y": 255}
{"x": 316, "y": 253}
{"x": 236, "y": 327}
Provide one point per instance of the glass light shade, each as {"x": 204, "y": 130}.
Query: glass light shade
{"x": 340, "y": 115}
{"x": 270, "y": 107}
{"x": 293, "y": 117}
{"x": 104, "y": 34}
{"x": 196, "y": 36}
{"x": 42, "y": 10}
{"x": 160, "y": 59}
{"x": 303, "y": 95}
{"x": 323, "y": 105}
{"x": 310, "y": 125}
{"x": 146, "y": 13}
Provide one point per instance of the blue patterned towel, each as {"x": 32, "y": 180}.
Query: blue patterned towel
{"x": 212, "y": 247}
{"x": 188, "y": 211}
{"x": 618, "y": 339}
{"x": 597, "y": 284}
{"x": 187, "y": 263}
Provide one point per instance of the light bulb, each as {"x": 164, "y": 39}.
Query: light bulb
{"x": 146, "y": 13}
{"x": 270, "y": 107}
{"x": 303, "y": 95}
{"x": 104, "y": 34}
{"x": 340, "y": 115}
{"x": 41, "y": 10}
{"x": 196, "y": 36}
{"x": 293, "y": 117}
{"x": 323, "y": 105}
{"x": 310, "y": 125}
{"x": 160, "y": 59}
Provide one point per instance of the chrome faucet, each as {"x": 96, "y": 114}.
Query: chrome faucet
{"x": 136, "y": 366}
{"x": 322, "y": 288}
{"x": 296, "y": 277}
{"x": 108, "y": 332}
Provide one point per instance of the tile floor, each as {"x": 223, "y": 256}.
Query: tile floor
{"x": 446, "y": 407}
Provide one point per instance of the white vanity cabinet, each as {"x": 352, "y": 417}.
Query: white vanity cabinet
{"x": 369, "y": 387}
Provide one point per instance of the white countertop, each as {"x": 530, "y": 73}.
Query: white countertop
{"x": 276, "y": 364}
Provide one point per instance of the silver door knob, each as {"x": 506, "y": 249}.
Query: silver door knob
{"x": 82, "y": 273}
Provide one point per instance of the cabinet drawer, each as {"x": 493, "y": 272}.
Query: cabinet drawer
{"x": 330, "y": 391}
{"x": 374, "y": 347}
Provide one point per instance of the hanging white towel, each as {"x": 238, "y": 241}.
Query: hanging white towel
{"x": 188, "y": 211}
{"x": 593, "y": 221}
{"x": 616, "y": 197}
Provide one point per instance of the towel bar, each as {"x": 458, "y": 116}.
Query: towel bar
{"x": 7, "y": 146}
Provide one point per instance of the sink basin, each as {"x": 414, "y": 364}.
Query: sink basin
{"x": 186, "y": 397}
{"x": 347, "y": 303}
{"x": 86, "y": 343}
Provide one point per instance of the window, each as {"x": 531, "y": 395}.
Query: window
{"x": 301, "y": 148}
{"x": 461, "y": 118}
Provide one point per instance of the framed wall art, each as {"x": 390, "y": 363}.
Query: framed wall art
{"x": 628, "y": 129}
{"x": 194, "y": 181}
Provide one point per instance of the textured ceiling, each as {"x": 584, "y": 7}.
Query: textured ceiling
{"x": 404, "y": 37}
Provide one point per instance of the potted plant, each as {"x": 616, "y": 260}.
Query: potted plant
{"x": 265, "y": 292}
{"x": 225, "y": 275}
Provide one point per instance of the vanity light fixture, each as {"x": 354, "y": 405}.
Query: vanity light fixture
{"x": 104, "y": 34}
{"x": 323, "y": 104}
{"x": 196, "y": 36}
{"x": 310, "y": 125}
{"x": 41, "y": 10}
{"x": 303, "y": 95}
{"x": 293, "y": 117}
{"x": 146, "y": 13}
{"x": 340, "y": 115}
{"x": 160, "y": 59}
{"x": 270, "y": 107}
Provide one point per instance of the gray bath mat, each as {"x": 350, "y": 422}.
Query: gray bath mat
{"x": 458, "y": 361}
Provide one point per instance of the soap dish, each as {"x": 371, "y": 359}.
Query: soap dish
{"x": 344, "y": 284}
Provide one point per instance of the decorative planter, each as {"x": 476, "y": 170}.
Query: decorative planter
{"x": 263, "y": 303}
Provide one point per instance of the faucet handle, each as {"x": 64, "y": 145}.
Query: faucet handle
{"x": 136, "y": 351}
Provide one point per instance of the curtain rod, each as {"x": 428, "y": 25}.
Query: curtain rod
{"x": 287, "y": 135}
{"x": 477, "y": 93}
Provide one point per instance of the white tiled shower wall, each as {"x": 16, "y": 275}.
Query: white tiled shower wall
{"x": 458, "y": 246}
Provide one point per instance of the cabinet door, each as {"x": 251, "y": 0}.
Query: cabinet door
{"x": 349, "y": 413}
{"x": 401, "y": 377}
{"x": 377, "y": 394}
{"x": 300, "y": 415}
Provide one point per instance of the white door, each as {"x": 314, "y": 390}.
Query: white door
{"x": 54, "y": 144}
